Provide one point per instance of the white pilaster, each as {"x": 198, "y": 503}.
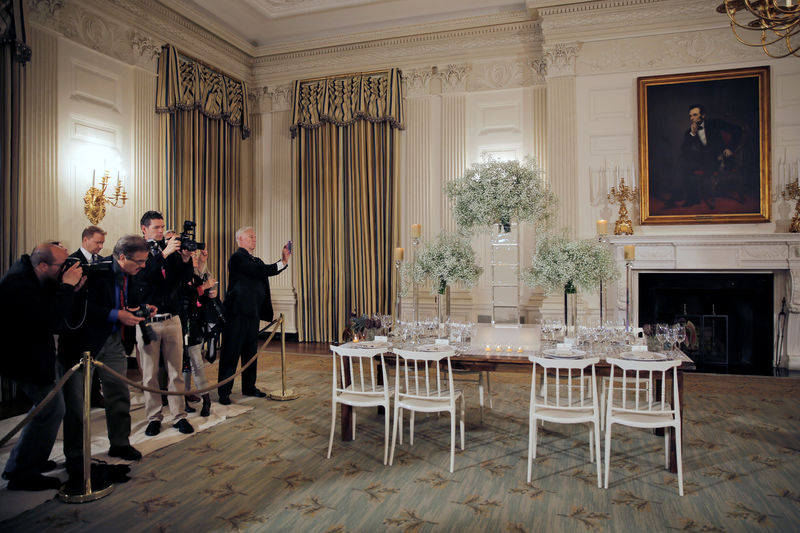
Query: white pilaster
{"x": 144, "y": 145}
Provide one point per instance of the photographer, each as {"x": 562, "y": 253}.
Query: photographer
{"x": 105, "y": 328}
{"x": 198, "y": 297}
{"x": 167, "y": 271}
{"x": 35, "y": 297}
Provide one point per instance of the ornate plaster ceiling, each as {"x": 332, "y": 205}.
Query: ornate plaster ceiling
{"x": 271, "y": 23}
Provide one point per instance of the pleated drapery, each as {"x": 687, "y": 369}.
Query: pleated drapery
{"x": 346, "y": 164}
{"x": 15, "y": 53}
{"x": 203, "y": 122}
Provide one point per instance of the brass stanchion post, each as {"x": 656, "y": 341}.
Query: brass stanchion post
{"x": 87, "y": 495}
{"x": 284, "y": 393}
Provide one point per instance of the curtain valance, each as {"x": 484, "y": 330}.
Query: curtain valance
{"x": 342, "y": 100}
{"x": 185, "y": 84}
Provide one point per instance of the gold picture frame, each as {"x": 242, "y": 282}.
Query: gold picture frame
{"x": 704, "y": 147}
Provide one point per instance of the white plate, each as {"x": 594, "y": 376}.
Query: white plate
{"x": 643, "y": 356}
{"x": 433, "y": 348}
{"x": 368, "y": 344}
{"x": 574, "y": 354}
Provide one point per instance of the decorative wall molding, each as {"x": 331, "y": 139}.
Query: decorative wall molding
{"x": 521, "y": 39}
{"x": 418, "y": 81}
{"x": 46, "y": 6}
{"x": 282, "y": 96}
{"x": 258, "y": 100}
{"x": 493, "y": 74}
{"x": 560, "y": 59}
{"x": 145, "y": 47}
{"x": 454, "y": 77}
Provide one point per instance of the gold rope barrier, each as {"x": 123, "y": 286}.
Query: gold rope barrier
{"x": 88, "y": 494}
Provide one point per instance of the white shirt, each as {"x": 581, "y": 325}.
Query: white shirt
{"x": 87, "y": 255}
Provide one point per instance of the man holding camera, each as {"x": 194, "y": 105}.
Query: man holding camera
{"x": 35, "y": 297}
{"x": 105, "y": 329}
{"x": 168, "y": 270}
{"x": 246, "y": 302}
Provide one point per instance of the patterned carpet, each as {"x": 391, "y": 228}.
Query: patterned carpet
{"x": 266, "y": 470}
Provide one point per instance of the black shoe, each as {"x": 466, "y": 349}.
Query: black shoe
{"x": 193, "y": 398}
{"x": 206, "y": 409}
{"x": 48, "y": 466}
{"x": 189, "y": 409}
{"x": 34, "y": 482}
{"x": 183, "y": 426}
{"x": 129, "y": 453}
{"x": 153, "y": 428}
{"x": 255, "y": 393}
{"x": 224, "y": 400}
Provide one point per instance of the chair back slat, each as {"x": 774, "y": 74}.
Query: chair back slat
{"x": 422, "y": 372}
{"x": 357, "y": 366}
{"x": 643, "y": 374}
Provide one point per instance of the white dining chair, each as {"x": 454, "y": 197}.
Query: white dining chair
{"x": 568, "y": 395}
{"x": 358, "y": 383}
{"x": 631, "y": 407}
{"x": 420, "y": 386}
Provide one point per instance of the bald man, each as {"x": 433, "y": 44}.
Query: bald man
{"x": 35, "y": 297}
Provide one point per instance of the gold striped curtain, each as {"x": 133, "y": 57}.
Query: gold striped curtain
{"x": 346, "y": 135}
{"x": 204, "y": 120}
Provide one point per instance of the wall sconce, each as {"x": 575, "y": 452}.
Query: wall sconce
{"x": 95, "y": 200}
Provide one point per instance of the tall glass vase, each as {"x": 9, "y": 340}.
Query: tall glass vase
{"x": 443, "y": 303}
{"x": 571, "y": 310}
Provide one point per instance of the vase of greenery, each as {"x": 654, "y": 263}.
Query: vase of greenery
{"x": 560, "y": 264}
{"x": 500, "y": 192}
{"x": 448, "y": 259}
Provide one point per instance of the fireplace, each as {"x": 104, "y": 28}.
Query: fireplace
{"x": 730, "y": 287}
{"x": 728, "y": 317}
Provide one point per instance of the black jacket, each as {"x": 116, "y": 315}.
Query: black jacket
{"x": 248, "y": 287}
{"x": 30, "y": 314}
{"x": 161, "y": 283}
{"x": 88, "y": 327}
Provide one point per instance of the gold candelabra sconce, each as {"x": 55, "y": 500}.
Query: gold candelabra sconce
{"x": 792, "y": 192}
{"x": 622, "y": 194}
{"x": 95, "y": 199}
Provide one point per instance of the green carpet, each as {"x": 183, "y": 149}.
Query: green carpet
{"x": 266, "y": 470}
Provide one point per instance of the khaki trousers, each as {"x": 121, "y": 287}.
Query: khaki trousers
{"x": 169, "y": 345}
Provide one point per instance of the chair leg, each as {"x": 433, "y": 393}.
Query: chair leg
{"x": 591, "y": 448}
{"x": 531, "y": 445}
{"x": 679, "y": 458}
{"x": 411, "y": 429}
{"x": 386, "y": 433}
{"x": 401, "y": 424}
{"x": 608, "y": 447}
{"x": 461, "y": 421}
{"x": 452, "y": 439}
{"x": 666, "y": 447}
{"x": 333, "y": 428}
{"x": 597, "y": 449}
{"x": 354, "y": 423}
{"x": 394, "y": 433}
{"x": 480, "y": 393}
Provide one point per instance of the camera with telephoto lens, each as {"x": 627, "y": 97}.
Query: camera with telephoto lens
{"x": 97, "y": 267}
{"x": 148, "y": 335}
{"x": 187, "y": 237}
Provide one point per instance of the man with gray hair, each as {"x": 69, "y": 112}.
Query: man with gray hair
{"x": 247, "y": 301}
{"x": 35, "y": 297}
{"x": 106, "y": 330}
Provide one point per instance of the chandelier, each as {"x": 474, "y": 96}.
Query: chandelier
{"x": 777, "y": 21}
{"x": 95, "y": 199}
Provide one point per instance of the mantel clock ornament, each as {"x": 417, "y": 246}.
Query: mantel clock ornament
{"x": 95, "y": 199}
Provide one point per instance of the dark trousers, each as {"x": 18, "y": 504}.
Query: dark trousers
{"x": 239, "y": 341}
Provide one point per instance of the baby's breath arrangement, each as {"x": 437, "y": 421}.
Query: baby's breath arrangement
{"x": 559, "y": 264}
{"x": 500, "y": 192}
{"x": 447, "y": 260}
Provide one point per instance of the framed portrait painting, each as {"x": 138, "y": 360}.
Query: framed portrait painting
{"x": 704, "y": 147}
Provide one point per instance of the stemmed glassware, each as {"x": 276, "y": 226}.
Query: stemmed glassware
{"x": 679, "y": 335}
{"x": 662, "y": 334}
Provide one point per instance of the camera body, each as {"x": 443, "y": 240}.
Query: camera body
{"x": 187, "y": 237}
{"x": 148, "y": 335}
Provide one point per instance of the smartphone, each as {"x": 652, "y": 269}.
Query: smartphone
{"x": 289, "y": 246}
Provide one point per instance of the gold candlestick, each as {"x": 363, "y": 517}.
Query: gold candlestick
{"x": 95, "y": 200}
{"x": 621, "y": 194}
{"x": 792, "y": 192}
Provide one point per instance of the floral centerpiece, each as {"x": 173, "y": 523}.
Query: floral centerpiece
{"x": 363, "y": 326}
{"x": 449, "y": 259}
{"x": 559, "y": 264}
{"x": 497, "y": 192}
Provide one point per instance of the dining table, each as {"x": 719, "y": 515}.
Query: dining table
{"x": 476, "y": 359}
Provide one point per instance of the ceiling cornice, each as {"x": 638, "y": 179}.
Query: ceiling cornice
{"x": 188, "y": 11}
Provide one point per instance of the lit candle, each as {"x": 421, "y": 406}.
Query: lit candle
{"x": 602, "y": 227}
{"x": 630, "y": 252}
{"x": 508, "y": 348}
{"x": 488, "y": 348}
{"x": 398, "y": 254}
{"x": 497, "y": 348}
{"x": 519, "y": 349}
{"x": 416, "y": 230}
{"x": 93, "y": 171}
{"x": 355, "y": 338}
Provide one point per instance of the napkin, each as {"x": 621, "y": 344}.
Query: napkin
{"x": 563, "y": 348}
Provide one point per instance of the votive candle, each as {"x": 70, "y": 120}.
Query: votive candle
{"x": 602, "y": 227}
{"x": 488, "y": 348}
{"x": 630, "y": 252}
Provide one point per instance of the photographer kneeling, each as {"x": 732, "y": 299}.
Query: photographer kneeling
{"x": 103, "y": 324}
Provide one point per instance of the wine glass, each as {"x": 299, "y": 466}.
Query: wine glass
{"x": 662, "y": 333}
{"x": 679, "y": 335}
